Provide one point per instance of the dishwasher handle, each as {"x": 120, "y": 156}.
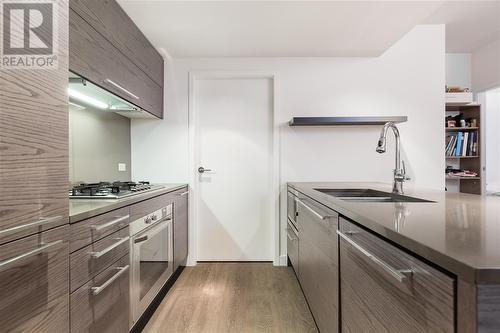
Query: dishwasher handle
{"x": 313, "y": 211}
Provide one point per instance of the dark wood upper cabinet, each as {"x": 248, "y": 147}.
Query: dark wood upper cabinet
{"x": 107, "y": 17}
{"x": 34, "y": 144}
{"x": 94, "y": 56}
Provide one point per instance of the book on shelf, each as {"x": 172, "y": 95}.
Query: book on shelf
{"x": 461, "y": 144}
{"x": 464, "y": 146}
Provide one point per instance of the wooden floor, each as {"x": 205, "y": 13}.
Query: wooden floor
{"x": 233, "y": 297}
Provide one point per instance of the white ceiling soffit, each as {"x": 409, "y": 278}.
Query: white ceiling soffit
{"x": 469, "y": 24}
{"x": 276, "y": 28}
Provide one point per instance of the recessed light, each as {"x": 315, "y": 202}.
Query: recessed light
{"x": 87, "y": 99}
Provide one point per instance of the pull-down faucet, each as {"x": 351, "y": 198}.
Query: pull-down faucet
{"x": 399, "y": 170}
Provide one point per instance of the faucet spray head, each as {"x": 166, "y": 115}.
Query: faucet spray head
{"x": 381, "y": 145}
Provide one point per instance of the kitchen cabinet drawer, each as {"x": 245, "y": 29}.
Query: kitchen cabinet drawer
{"x": 180, "y": 227}
{"x": 145, "y": 207}
{"x": 103, "y": 304}
{"x": 292, "y": 245}
{"x": 111, "y": 21}
{"x": 318, "y": 262}
{"x": 386, "y": 289}
{"x": 91, "y": 260}
{"x": 88, "y": 231}
{"x": 94, "y": 58}
{"x": 34, "y": 283}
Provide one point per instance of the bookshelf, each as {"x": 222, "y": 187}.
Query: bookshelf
{"x": 470, "y": 162}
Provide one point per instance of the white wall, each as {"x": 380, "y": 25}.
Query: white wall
{"x": 486, "y": 67}
{"x": 458, "y": 70}
{"x": 408, "y": 79}
{"x": 492, "y": 139}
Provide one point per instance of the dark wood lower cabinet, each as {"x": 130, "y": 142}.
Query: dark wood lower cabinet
{"x": 102, "y": 304}
{"x": 180, "y": 228}
{"x": 391, "y": 291}
{"x": 318, "y": 262}
{"x": 91, "y": 260}
{"x": 292, "y": 246}
{"x": 34, "y": 283}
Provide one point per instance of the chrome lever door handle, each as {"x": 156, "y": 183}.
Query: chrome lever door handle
{"x": 203, "y": 170}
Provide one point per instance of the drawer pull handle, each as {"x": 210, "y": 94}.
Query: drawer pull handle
{"x": 121, "y": 88}
{"x": 400, "y": 275}
{"x": 291, "y": 226}
{"x": 98, "y": 227}
{"x": 141, "y": 239}
{"x": 183, "y": 193}
{"x": 97, "y": 290}
{"x": 7, "y": 263}
{"x": 38, "y": 223}
{"x": 109, "y": 248}
{"x": 318, "y": 215}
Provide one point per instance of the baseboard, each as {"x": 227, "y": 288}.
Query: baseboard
{"x": 283, "y": 260}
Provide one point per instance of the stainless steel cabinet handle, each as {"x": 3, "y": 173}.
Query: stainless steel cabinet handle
{"x": 121, "y": 270}
{"x": 109, "y": 248}
{"x": 141, "y": 239}
{"x": 400, "y": 275}
{"x": 7, "y": 263}
{"x": 183, "y": 193}
{"x": 38, "y": 223}
{"x": 318, "y": 215}
{"x": 121, "y": 88}
{"x": 99, "y": 227}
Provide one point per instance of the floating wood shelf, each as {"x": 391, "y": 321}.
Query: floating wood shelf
{"x": 458, "y": 157}
{"x": 463, "y": 178}
{"x": 343, "y": 121}
{"x": 461, "y": 129}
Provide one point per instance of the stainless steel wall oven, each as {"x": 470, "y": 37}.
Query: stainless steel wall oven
{"x": 151, "y": 258}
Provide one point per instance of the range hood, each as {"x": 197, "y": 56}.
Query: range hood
{"x": 84, "y": 94}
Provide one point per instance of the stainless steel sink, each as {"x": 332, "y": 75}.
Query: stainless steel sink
{"x": 368, "y": 195}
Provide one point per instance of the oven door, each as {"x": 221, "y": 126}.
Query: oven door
{"x": 152, "y": 265}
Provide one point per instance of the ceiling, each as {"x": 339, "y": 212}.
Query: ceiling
{"x": 469, "y": 24}
{"x": 305, "y": 28}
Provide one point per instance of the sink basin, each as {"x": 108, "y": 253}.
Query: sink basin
{"x": 368, "y": 195}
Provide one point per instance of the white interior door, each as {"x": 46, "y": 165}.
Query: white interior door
{"x": 234, "y": 139}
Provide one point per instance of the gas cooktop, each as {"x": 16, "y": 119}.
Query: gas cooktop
{"x": 110, "y": 190}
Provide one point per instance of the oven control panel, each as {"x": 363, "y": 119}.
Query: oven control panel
{"x": 162, "y": 214}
